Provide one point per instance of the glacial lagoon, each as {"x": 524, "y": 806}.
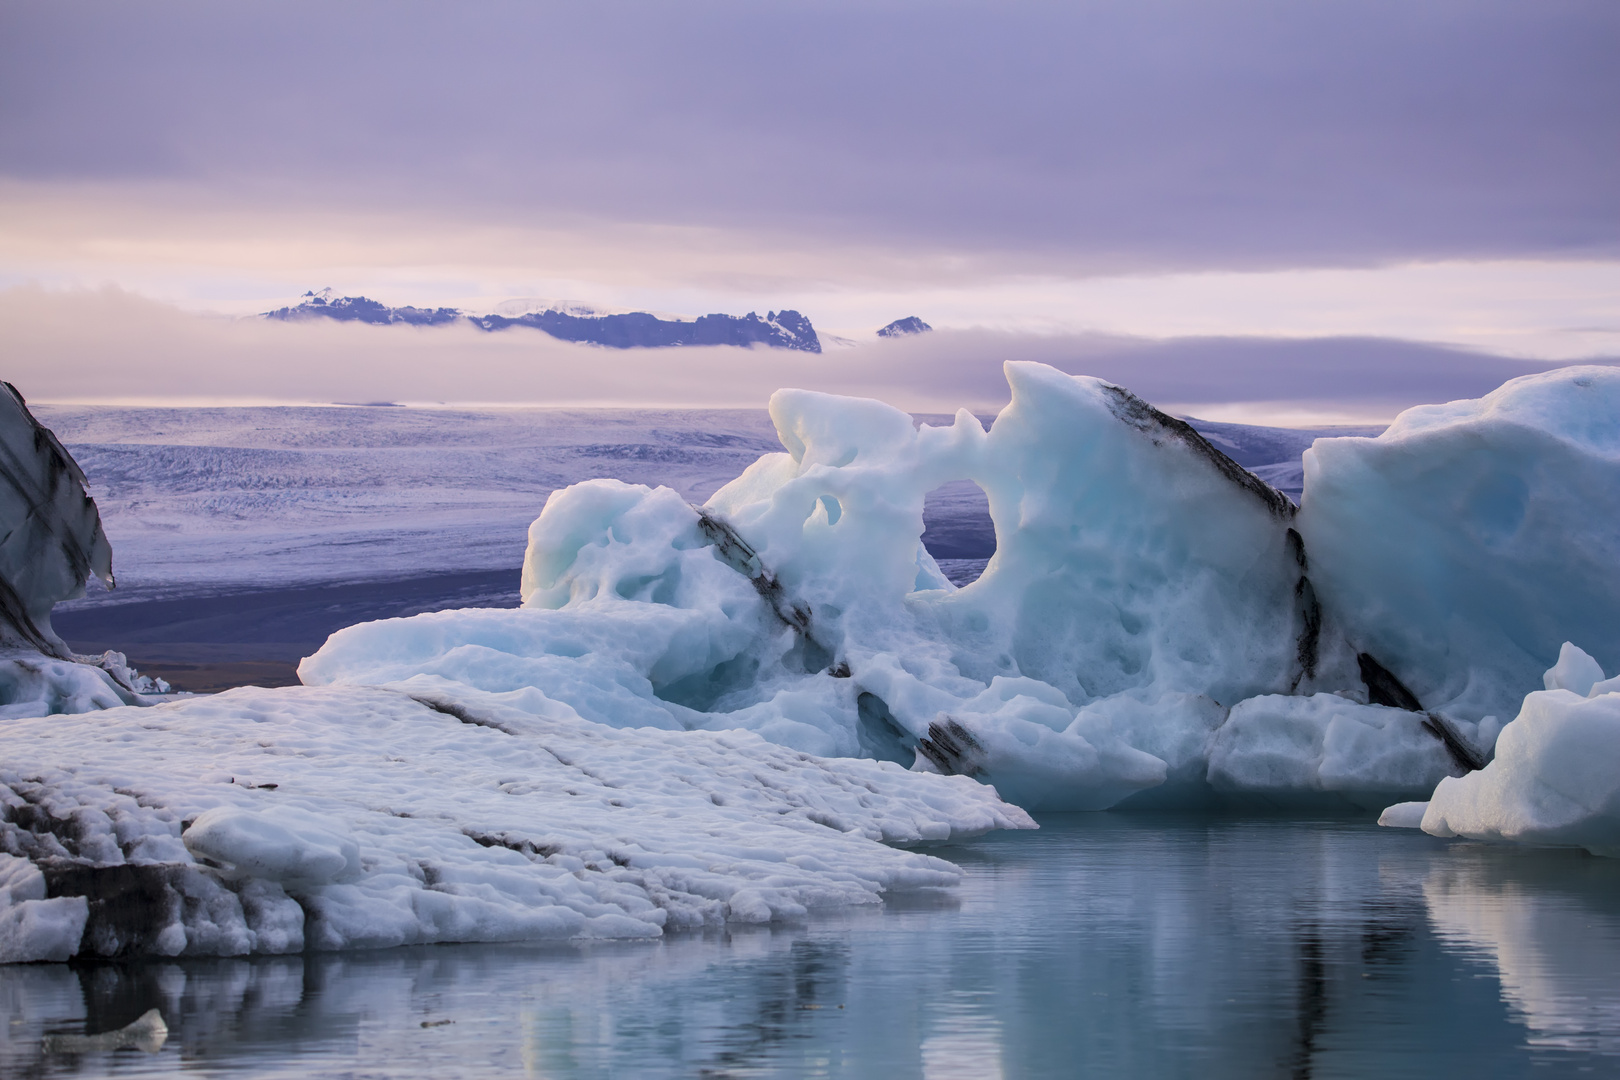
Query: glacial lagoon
{"x": 1112, "y": 944}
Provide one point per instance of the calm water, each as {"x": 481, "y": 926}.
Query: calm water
{"x": 1104, "y": 945}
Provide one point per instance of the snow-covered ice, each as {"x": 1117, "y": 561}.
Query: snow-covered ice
{"x": 275, "y": 820}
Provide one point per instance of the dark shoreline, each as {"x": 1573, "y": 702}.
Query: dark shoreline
{"x": 256, "y": 636}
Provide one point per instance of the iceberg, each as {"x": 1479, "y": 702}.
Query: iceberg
{"x": 273, "y": 821}
{"x": 1143, "y": 584}
{"x": 1555, "y": 780}
{"x": 1157, "y": 625}
{"x": 51, "y": 541}
{"x": 1132, "y": 559}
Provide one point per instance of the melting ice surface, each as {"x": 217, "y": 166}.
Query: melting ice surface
{"x": 1103, "y": 945}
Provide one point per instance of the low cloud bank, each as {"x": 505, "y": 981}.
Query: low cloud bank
{"x": 111, "y": 346}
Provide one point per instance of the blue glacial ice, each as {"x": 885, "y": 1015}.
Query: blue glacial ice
{"x": 1157, "y": 624}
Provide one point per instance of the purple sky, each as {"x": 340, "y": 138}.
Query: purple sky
{"x": 1438, "y": 171}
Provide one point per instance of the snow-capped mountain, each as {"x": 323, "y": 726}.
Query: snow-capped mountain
{"x": 785, "y": 329}
{"x": 325, "y": 305}
{"x": 905, "y": 327}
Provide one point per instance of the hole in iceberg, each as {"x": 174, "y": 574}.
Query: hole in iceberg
{"x": 957, "y": 530}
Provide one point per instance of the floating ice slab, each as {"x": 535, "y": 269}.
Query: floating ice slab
{"x": 1556, "y": 776}
{"x": 266, "y": 821}
{"x": 1293, "y": 748}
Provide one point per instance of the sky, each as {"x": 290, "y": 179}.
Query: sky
{"x": 1434, "y": 187}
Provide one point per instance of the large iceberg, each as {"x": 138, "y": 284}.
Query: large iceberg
{"x": 1157, "y": 624}
{"x": 1141, "y": 584}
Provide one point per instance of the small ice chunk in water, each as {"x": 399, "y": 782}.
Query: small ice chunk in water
{"x": 147, "y": 1032}
{"x": 1404, "y": 815}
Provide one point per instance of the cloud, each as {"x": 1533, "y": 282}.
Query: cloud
{"x": 1089, "y": 137}
{"x": 111, "y": 346}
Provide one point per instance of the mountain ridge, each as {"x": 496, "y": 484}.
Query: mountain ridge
{"x": 785, "y": 329}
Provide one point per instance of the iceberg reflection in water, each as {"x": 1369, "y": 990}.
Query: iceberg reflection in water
{"x": 1105, "y": 944}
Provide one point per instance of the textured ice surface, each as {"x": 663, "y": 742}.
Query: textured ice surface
{"x": 274, "y": 820}
{"x": 33, "y": 684}
{"x": 51, "y": 539}
{"x": 1141, "y": 585}
{"x": 1150, "y": 618}
{"x": 1293, "y": 747}
{"x": 1556, "y": 776}
{"x": 1466, "y": 542}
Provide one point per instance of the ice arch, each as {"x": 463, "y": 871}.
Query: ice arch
{"x": 1142, "y": 585}
{"x": 1154, "y": 618}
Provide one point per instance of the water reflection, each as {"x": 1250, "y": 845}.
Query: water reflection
{"x": 1144, "y": 945}
{"x": 1546, "y": 923}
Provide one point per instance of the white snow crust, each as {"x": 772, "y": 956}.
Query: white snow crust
{"x": 1556, "y": 776}
{"x": 267, "y": 821}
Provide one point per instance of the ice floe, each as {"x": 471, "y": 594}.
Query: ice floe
{"x": 268, "y": 821}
